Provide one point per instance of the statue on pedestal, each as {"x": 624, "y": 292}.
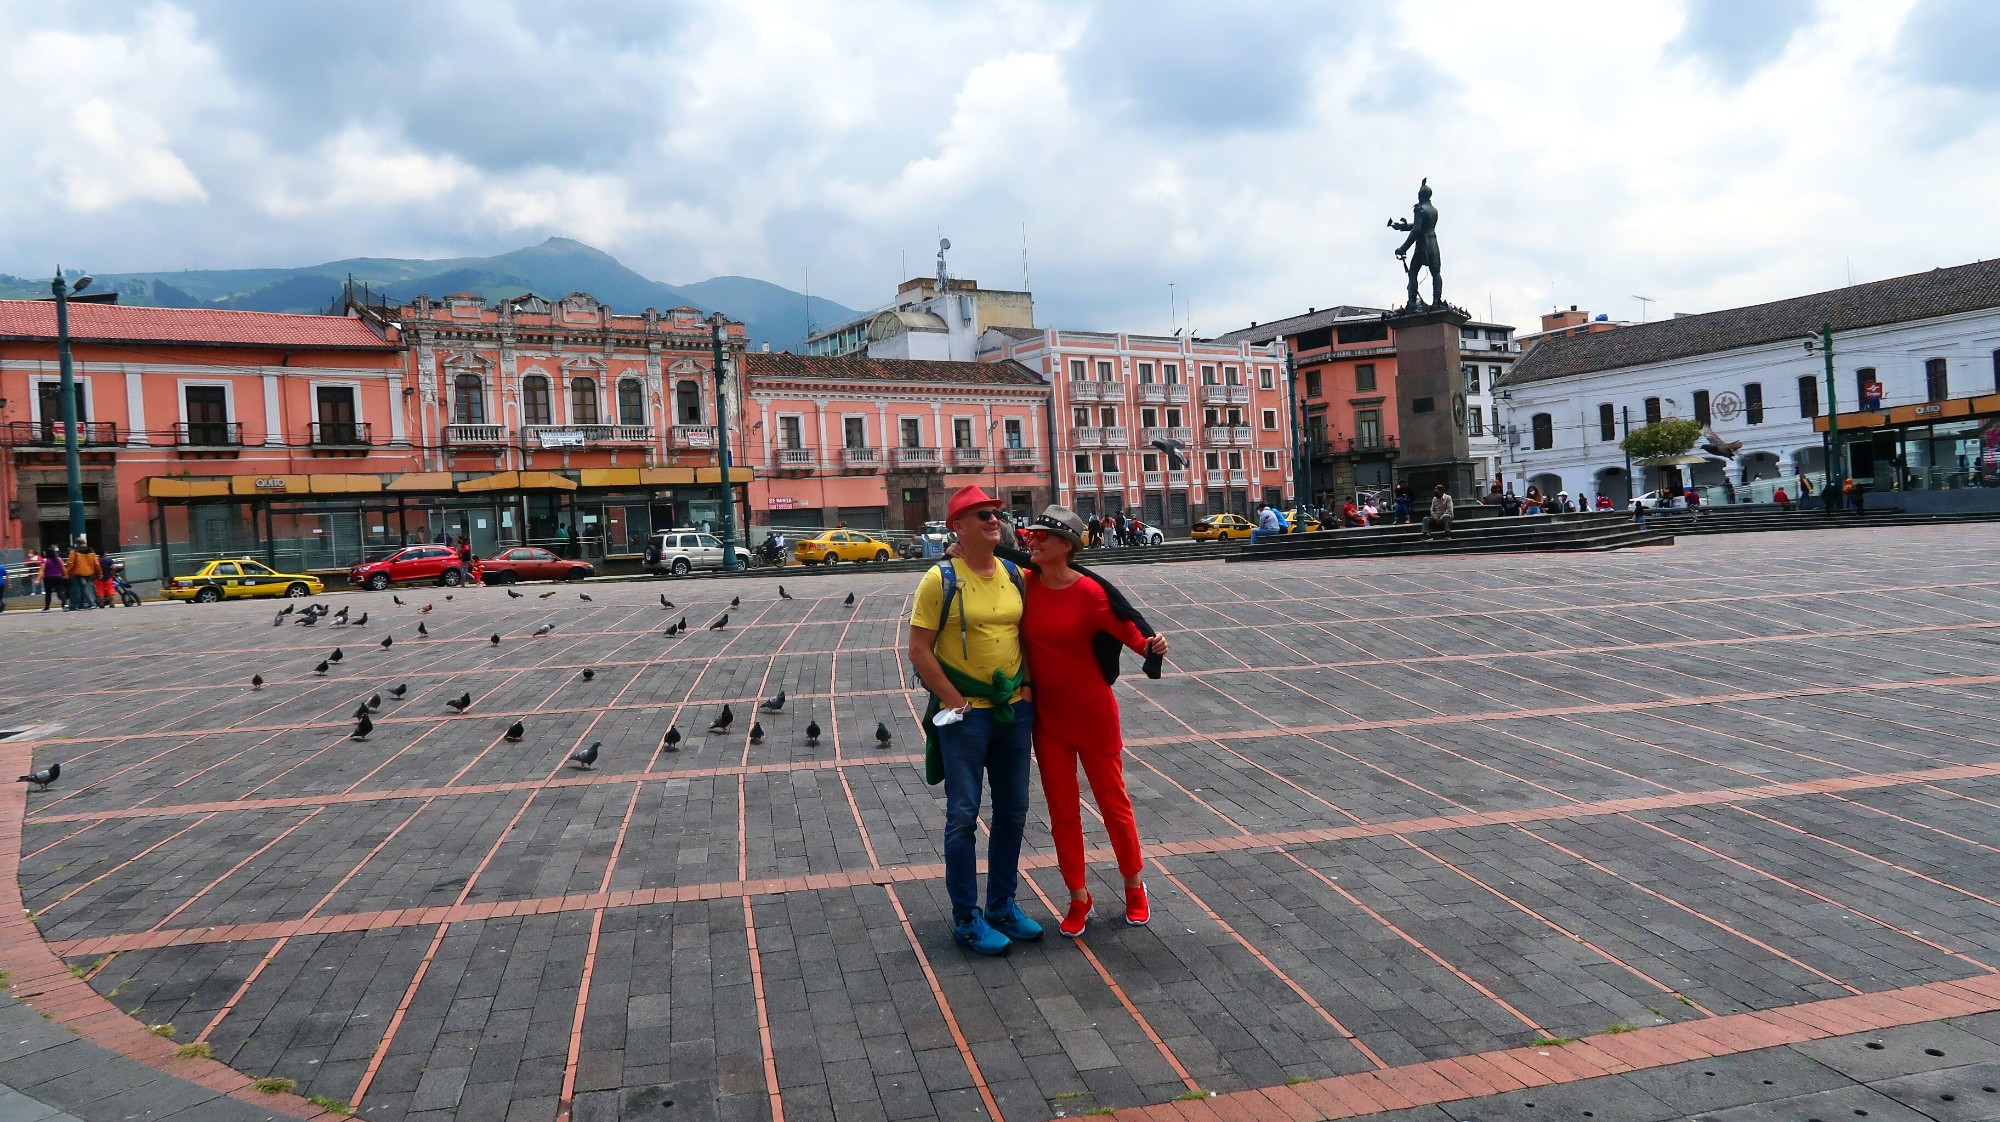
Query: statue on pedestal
{"x": 1420, "y": 249}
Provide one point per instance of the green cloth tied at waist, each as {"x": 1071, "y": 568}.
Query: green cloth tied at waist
{"x": 1000, "y": 691}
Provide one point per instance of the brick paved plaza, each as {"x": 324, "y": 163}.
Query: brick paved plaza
{"x": 1401, "y": 812}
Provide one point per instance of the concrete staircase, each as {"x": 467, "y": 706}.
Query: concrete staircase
{"x": 1480, "y": 533}
{"x": 1757, "y": 518}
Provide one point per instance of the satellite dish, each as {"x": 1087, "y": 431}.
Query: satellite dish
{"x": 944, "y": 244}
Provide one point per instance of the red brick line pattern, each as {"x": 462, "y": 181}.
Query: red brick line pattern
{"x": 1512, "y": 1069}
{"x": 641, "y": 897}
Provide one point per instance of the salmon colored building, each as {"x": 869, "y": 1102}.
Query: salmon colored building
{"x": 881, "y": 443}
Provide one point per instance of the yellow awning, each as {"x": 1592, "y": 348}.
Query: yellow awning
{"x": 346, "y": 484}
{"x": 161, "y": 487}
{"x": 546, "y": 481}
{"x": 714, "y": 475}
{"x": 498, "y": 481}
{"x": 270, "y": 484}
{"x": 421, "y": 481}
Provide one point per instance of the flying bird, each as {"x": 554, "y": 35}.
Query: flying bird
{"x": 516, "y": 731}
{"x": 774, "y": 703}
{"x": 44, "y": 779}
{"x": 362, "y": 726}
{"x": 756, "y": 732}
{"x": 256, "y": 682}
{"x": 588, "y": 673}
{"x": 545, "y": 595}
{"x": 543, "y": 629}
{"x": 736, "y": 601}
{"x": 782, "y": 594}
{"x": 422, "y": 629}
{"x": 336, "y": 656}
{"x": 375, "y": 701}
{"x": 584, "y": 596}
{"x": 396, "y": 598}
{"x": 721, "y": 623}
{"x": 388, "y": 641}
{"x": 494, "y": 638}
{"x": 723, "y": 719}
{"x": 399, "y": 689}
{"x": 812, "y": 734}
{"x": 513, "y": 595}
{"x": 672, "y": 741}
{"x": 850, "y": 600}
{"x": 882, "y": 736}
{"x": 666, "y": 603}
{"x": 587, "y": 755}
{"x": 460, "y": 703}
{"x": 321, "y": 668}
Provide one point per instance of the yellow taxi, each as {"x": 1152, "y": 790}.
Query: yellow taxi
{"x": 1294, "y": 526}
{"x": 1222, "y": 527}
{"x": 240, "y": 578}
{"x": 836, "y": 546}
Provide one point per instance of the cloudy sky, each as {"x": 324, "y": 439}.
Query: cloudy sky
{"x": 1701, "y": 152}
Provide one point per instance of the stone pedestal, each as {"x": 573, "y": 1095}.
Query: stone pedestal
{"x": 1430, "y": 403}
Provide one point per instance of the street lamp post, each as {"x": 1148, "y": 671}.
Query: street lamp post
{"x": 63, "y": 291}
{"x": 715, "y": 325}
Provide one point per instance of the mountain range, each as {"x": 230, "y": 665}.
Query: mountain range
{"x": 772, "y": 313}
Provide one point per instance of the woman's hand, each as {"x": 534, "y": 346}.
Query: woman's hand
{"x": 1157, "y": 645}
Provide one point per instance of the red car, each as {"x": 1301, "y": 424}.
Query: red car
{"x": 431, "y": 564}
{"x": 525, "y": 562}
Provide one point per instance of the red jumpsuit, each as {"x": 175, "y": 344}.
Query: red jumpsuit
{"x": 1076, "y": 719}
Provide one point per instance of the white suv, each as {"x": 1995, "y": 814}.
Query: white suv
{"x": 682, "y": 551}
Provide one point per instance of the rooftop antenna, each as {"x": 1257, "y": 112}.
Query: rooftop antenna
{"x": 943, "y": 278}
{"x": 809, "y": 302}
{"x": 1025, "y": 286}
{"x": 1173, "y": 312}
{"x": 1644, "y": 303}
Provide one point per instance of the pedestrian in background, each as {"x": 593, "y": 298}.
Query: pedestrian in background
{"x": 55, "y": 585}
{"x": 1439, "y": 522}
{"x": 81, "y": 568}
{"x": 1405, "y": 506}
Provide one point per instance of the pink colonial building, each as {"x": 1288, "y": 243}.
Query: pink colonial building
{"x": 880, "y": 443}
{"x": 1114, "y": 394}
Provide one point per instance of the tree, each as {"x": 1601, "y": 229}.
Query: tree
{"x": 1674, "y": 436}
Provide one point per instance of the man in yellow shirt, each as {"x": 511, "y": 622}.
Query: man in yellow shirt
{"x": 965, "y": 641}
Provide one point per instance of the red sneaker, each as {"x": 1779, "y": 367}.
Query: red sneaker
{"x": 1137, "y": 912}
{"x": 1077, "y": 918}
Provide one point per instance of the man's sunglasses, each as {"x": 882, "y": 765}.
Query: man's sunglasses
{"x": 986, "y": 515}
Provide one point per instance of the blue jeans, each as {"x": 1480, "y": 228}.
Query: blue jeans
{"x": 981, "y": 746}
{"x": 1259, "y": 535}
{"x": 82, "y": 592}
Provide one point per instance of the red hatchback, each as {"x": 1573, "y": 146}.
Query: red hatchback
{"x": 430, "y": 564}
{"x": 525, "y": 562}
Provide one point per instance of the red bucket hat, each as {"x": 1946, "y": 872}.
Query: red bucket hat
{"x": 966, "y": 500}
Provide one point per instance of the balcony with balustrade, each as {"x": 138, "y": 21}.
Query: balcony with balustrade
{"x": 1226, "y": 436}
{"x": 585, "y": 436}
{"x": 796, "y": 461}
{"x": 1231, "y": 477}
{"x": 473, "y": 435}
{"x": 1225, "y": 395}
{"x": 1021, "y": 458}
{"x": 209, "y": 434}
{"x": 1096, "y": 391}
{"x": 48, "y": 435}
{"x": 969, "y": 458}
{"x": 1162, "y": 393}
{"x": 691, "y": 438}
{"x": 922, "y": 459}
{"x": 1105, "y": 436}
{"x": 1180, "y": 433}
{"x": 338, "y": 435}
{"x": 861, "y": 458}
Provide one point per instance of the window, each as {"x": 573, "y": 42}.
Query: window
{"x": 1173, "y": 373}
{"x": 1236, "y": 461}
{"x": 1364, "y": 377}
{"x": 1607, "y": 422}
{"x": 1149, "y": 418}
{"x": 583, "y": 401}
{"x": 1545, "y": 430}
{"x": 1652, "y": 410}
{"x": 631, "y": 402}
{"x": 1081, "y": 415}
{"x": 913, "y": 433}
{"x": 1270, "y": 461}
{"x": 1753, "y": 403}
{"x": 1232, "y": 417}
{"x": 1270, "y": 420}
{"x": 1103, "y": 370}
{"x": 50, "y": 394}
{"x": 1471, "y": 333}
{"x": 1010, "y": 430}
{"x": 854, "y": 432}
{"x": 1312, "y": 383}
{"x": 1862, "y": 378}
{"x": 1109, "y": 465}
{"x": 1368, "y": 428}
{"x": 1232, "y": 376}
{"x": 1471, "y": 378}
{"x": 535, "y": 408}
{"x": 791, "y": 435}
{"x": 468, "y": 400}
{"x": 1149, "y": 462}
{"x": 1077, "y": 370}
{"x": 1996, "y": 371}
{"x": 1145, "y": 373}
{"x": 207, "y": 415}
{"x": 1211, "y": 417}
{"x": 1215, "y": 461}
{"x": 1083, "y": 465}
{"x": 961, "y": 432}
{"x": 1937, "y": 385}
{"x": 1208, "y": 375}
{"x": 687, "y": 402}
{"x": 1265, "y": 379}
{"x": 1173, "y": 418}
{"x": 1475, "y": 421}
{"x": 1107, "y": 415}
{"x": 1701, "y": 413}
{"x": 1492, "y": 376}
{"x": 334, "y": 406}
{"x": 1808, "y": 396}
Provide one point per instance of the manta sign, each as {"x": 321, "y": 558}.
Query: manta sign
{"x": 560, "y": 438}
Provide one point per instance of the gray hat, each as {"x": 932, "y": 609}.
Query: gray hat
{"x": 1060, "y": 521}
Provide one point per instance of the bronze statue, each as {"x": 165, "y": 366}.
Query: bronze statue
{"x": 1422, "y": 228}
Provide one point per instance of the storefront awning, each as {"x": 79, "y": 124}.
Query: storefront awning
{"x": 421, "y": 481}
{"x": 161, "y": 487}
{"x": 517, "y": 481}
{"x": 596, "y": 478}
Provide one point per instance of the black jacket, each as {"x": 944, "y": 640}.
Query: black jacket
{"x": 1105, "y": 646}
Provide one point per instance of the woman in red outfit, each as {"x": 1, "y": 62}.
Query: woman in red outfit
{"x": 1076, "y": 717}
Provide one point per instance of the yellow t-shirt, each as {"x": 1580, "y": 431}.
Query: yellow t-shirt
{"x": 992, "y": 638}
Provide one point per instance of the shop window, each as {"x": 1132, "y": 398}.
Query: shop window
{"x": 1313, "y": 388}
{"x": 1701, "y": 413}
{"x": 687, "y": 402}
{"x": 1607, "y": 421}
{"x": 468, "y": 400}
{"x": 1808, "y": 397}
{"x": 583, "y": 401}
{"x": 1937, "y": 385}
{"x": 631, "y": 402}
{"x": 535, "y": 408}
{"x": 1753, "y": 403}
{"x": 1544, "y": 430}
{"x": 1652, "y": 410}
{"x": 1364, "y": 377}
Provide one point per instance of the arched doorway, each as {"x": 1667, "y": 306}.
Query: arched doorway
{"x": 1616, "y": 485}
{"x": 1548, "y": 483}
{"x": 1810, "y": 461}
{"x": 1759, "y": 465}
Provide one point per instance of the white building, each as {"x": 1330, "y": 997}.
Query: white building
{"x": 1929, "y": 343}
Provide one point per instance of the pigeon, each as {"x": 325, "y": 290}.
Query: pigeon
{"x": 361, "y": 711}
{"x": 388, "y": 641}
{"x": 721, "y": 623}
{"x": 288, "y": 610}
{"x": 397, "y": 599}
{"x": 774, "y": 703}
{"x": 43, "y": 778}
{"x": 723, "y": 720}
{"x": 375, "y": 701}
{"x": 585, "y": 756}
{"x": 850, "y": 600}
{"x": 545, "y": 595}
{"x": 422, "y": 630}
{"x": 515, "y": 732}
{"x": 321, "y": 668}
{"x": 460, "y": 703}
{"x": 812, "y": 734}
{"x": 666, "y": 603}
{"x": 399, "y": 689}
{"x": 588, "y": 673}
{"x": 782, "y": 594}
{"x": 672, "y": 741}
{"x": 362, "y": 622}
{"x": 736, "y": 601}
{"x": 449, "y": 596}
{"x": 336, "y": 656}
{"x": 684, "y": 623}
{"x": 585, "y": 596}
{"x": 256, "y": 682}
{"x": 513, "y": 595}
{"x": 756, "y": 732}
{"x": 542, "y": 630}
{"x": 308, "y": 620}
{"x": 494, "y": 638}
{"x": 280, "y": 621}
{"x": 340, "y": 616}
{"x": 362, "y": 725}
{"x": 882, "y": 736}
{"x": 425, "y": 610}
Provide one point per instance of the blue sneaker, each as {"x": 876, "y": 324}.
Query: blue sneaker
{"x": 978, "y": 935}
{"x": 1011, "y": 921}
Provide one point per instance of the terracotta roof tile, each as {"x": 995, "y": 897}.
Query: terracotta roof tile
{"x": 36, "y": 319}
{"x": 859, "y": 368}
